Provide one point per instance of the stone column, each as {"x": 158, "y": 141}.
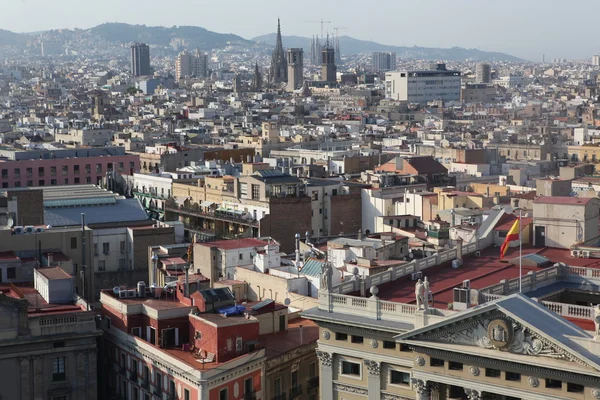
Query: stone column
{"x": 421, "y": 388}
{"x": 374, "y": 369}
{"x": 26, "y": 378}
{"x": 473, "y": 394}
{"x": 38, "y": 378}
{"x": 325, "y": 374}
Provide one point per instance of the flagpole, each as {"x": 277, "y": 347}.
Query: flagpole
{"x": 520, "y": 256}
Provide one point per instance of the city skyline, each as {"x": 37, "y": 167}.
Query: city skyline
{"x": 526, "y": 34}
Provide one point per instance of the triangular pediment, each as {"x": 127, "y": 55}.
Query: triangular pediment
{"x": 515, "y": 328}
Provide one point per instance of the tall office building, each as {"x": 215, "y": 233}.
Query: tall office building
{"x": 483, "y": 73}
{"x": 328, "y": 68}
{"x": 436, "y": 83}
{"x": 596, "y": 60}
{"x": 383, "y": 62}
{"x": 199, "y": 65}
{"x": 295, "y": 62}
{"x": 188, "y": 65}
{"x": 183, "y": 65}
{"x": 140, "y": 59}
{"x": 278, "y": 72}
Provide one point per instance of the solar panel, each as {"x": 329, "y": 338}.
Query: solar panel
{"x": 262, "y": 304}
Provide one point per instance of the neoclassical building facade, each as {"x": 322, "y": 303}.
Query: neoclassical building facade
{"x": 506, "y": 349}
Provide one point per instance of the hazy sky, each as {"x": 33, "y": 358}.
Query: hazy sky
{"x": 525, "y": 28}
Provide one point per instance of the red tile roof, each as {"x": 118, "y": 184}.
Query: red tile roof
{"x": 8, "y": 256}
{"x": 506, "y": 223}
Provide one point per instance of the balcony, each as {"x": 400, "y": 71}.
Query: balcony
{"x": 132, "y": 375}
{"x": 143, "y": 382}
{"x": 150, "y": 195}
{"x": 250, "y": 396}
{"x": 312, "y": 383}
{"x": 195, "y": 212}
{"x": 295, "y": 391}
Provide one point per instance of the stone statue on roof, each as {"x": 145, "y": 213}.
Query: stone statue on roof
{"x": 419, "y": 294}
{"x": 326, "y": 275}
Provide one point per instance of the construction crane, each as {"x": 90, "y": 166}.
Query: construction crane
{"x": 322, "y": 22}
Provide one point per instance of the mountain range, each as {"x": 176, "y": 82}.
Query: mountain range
{"x": 349, "y": 45}
{"x": 197, "y": 37}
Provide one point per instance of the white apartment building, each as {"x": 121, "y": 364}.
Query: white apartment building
{"x": 437, "y": 83}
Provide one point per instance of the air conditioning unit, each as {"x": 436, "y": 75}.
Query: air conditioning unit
{"x": 574, "y": 253}
{"x": 18, "y": 230}
{"x": 416, "y": 275}
{"x": 477, "y": 253}
{"x": 584, "y": 254}
{"x": 29, "y": 229}
{"x": 132, "y": 293}
{"x": 39, "y": 230}
{"x": 466, "y": 284}
{"x": 123, "y": 294}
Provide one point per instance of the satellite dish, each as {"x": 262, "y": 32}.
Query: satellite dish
{"x": 287, "y": 301}
{"x": 10, "y": 223}
{"x": 411, "y": 255}
{"x": 116, "y": 290}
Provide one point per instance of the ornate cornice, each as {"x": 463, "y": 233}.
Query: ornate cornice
{"x": 474, "y": 359}
{"x": 326, "y": 359}
{"x": 343, "y": 387}
{"x": 375, "y": 333}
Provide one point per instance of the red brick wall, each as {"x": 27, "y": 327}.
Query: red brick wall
{"x": 346, "y": 213}
{"x": 288, "y": 216}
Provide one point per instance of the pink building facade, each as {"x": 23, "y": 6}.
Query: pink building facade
{"x": 64, "y": 171}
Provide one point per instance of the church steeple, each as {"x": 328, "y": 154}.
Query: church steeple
{"x": 278, "y": 72}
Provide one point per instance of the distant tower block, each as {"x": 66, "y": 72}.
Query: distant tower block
{"x": 328, "y": 68}
{"x": 295, "y": 62}
{"x": 483, "y": 73}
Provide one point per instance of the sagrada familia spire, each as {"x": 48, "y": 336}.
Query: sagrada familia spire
{"x": 278, "y": 71}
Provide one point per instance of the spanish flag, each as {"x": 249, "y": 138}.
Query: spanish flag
{"x": 513, "y": 234}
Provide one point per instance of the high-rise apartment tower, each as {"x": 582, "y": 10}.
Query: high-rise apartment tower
{"x": 383, "y": 62}
{"x": 140, "y": 59}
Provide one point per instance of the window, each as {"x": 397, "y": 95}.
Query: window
{"x": 29, "y": 183}
{"x": 158, "y": 381}
{"x": 357, "y": 339}
{"x": 4, "y": 174}
{"x": 277, "y": 387}
{"x": 186, "y": 392}
{"x": 40, "y": 171}
{"x": 290, "y": 190}
{"x": 122, "y": 245}
{"x": 241, "y": 256}
{"x": 315, "y": 195}
{"x": 334, "y": 192}
{"x": 399, "y": 377}
{"x": 53, "y": 182}
{"x": 389, "y": 345}
{"x": 248, "y": 386}
{"x": 29, "y": 172}
{"x": 106, "y": 247}
{"x": 172, "y": 387}
{"x": 109, "y": 167}
{"x": 121, "y": 167}
{"x": 350, "y": 368}
{"x": 66, "y": 181}
{"x": 76, "y": 169}
{"x": 136, "y": 332}
{"x": 492, "y": 373}
{"x": 41, "y": 182}
{"x": 17, "y": 173}
{"x": 436, "y": 362}
{"x": 455, "y": 366}
{"x": 574, "y": 388}
{"x": 312, "y": 370}
{"x": 65, "y": 170}
{"x": 131, "y": 165}
{"x": 512, "y": 376}
{"x": 341, "y": 336}
{"x": 11, "y": 273}
{"x": 88, "y": 180}
{"x": 77, "y": 181}
{"x": 52, "y": 171}
{"x": 58, "y": 369}
{"x": 255, "y": 192}
{"x": 88, "y": 168}
{"x": 553, "y": 383}
{"x": 98, "y": 168}
{"x": 17, "y": 184}
{"x": 101, "y": 265}
{"x": 294, "y": 378}
{"x": 223, "y": 395}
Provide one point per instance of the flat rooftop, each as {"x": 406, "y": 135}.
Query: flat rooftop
{"x": 37, "y": 305}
